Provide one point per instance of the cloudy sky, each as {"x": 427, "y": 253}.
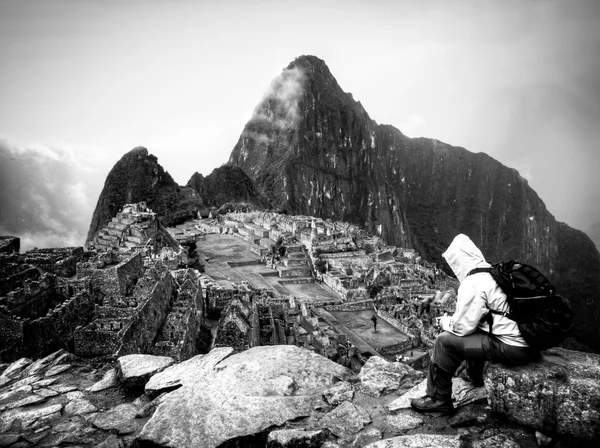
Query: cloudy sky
{"x": 84, "y": 81}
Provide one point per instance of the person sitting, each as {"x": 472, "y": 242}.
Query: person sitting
{"x": 465, "y": 336}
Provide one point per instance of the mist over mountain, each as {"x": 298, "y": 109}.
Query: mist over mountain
{"x": 312, "y": 149}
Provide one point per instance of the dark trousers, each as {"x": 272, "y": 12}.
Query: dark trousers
{"x": 451, "y": 350}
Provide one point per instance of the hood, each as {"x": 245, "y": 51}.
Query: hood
{"x": 462, "y": 255}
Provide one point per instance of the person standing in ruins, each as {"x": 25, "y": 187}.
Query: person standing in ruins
{"x": 374, "y": 319}
{"x": 465, "y": 337}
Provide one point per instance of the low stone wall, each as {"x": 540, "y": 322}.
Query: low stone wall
{"x": 235, "y": 264}
{"x": 414, "y": 339}
{"x": 296, "y": 281}
{"x": 351, "y": 306}
{"x": 295, "y": 271}
{"x": 396, "y": 348}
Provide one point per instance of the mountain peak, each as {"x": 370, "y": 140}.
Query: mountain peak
{"x": 313, "y": 150}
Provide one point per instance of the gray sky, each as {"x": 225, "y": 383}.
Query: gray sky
{"x": 84, "y": 81}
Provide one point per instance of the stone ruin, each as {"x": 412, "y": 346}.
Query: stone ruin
{"x": 125, "y": 296}
{"x": 136, "y": 228}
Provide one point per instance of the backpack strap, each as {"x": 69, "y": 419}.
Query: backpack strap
{"x": 488, "y": 318}
{"x": 477, "y": 270}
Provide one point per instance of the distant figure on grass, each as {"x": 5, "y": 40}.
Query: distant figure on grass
{"x": 374, "y": 319}
{"x": 465, "y": 337}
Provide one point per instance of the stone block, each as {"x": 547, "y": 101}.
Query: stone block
{"x": 558, "y": 394}
{"x": 136, "y": 370}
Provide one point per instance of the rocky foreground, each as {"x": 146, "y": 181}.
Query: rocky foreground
{"x": 285, "y": 396}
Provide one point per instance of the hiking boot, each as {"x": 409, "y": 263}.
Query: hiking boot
{"x": 429, "y": 404}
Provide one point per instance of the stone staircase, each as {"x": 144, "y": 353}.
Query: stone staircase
{"x": 109, "y": 236}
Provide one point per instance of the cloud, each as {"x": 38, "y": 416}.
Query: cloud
{"x": 280, "y": 103}
{"x": 43, "y": 199}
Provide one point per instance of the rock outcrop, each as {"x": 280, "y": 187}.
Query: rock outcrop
{"x": 137, "y": 177}
{"x": 270, "y": 396}
{"x": 557, "y": 395}
{"x": 313, "y": 150}
{"x": 242, "y": 395}
{"x": 226, "y": 184}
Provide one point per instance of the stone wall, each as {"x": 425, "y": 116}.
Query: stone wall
{"x": 140, "y": 336}
{"x": 92, "y": 341}
{"x": 358, "y": 305}
{"x": 11, "y": 335}
{"x": 119, "y": 279}
{"x": 55, "y": 330}
{"x": 15, "y": 275}
{"x": 35, "y": 298}
{"x": 414, "y": 339}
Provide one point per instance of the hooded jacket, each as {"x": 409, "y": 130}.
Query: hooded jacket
{"x": 476, "y": 294}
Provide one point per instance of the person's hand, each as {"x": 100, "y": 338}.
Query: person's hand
{"x": 446, "y": 322}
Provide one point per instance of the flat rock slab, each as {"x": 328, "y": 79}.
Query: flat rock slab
{"x": 379, "y": 376}
{"x": 418, "y": 441}
{"x": 366, "y": 436}
{"x": 55, "y": 370}
{"x": 79, "y": 406}
{"x": 292, "y": 438}
{"x": 347, "y": 419}
{"x": 40, "y": 365}
{"x": 120, "y": 419}
{"x": 186, "y": 372}
{"x": 15, "y": 368}
{"x": 28, "y": 417}
{"x": 398, "y": 423}
{"x": 110, "y": 379}
{"x": 240, "y": 396}
{"x": 558, "y": 394}
{"x": 135, "y": 370}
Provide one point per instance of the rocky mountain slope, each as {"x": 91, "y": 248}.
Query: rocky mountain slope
{"x": 226, "y": 183}
{"x": 312, "y": 149}
{"x": 136, "y": 177}
{"x": 594, "y": 233}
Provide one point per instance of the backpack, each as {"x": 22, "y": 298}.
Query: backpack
{"x": 544, "y": 318}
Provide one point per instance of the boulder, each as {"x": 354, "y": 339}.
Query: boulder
{"x": 110, "y": 379}
{"x": 186, "y": 372}
{"x": 347, "y": 419}
{"x": 339, "y": 393}
{"x": 294, "y": 438}
{"x": 418, "y": 441}
{"x": 135, "y": 370}
{"x": 558, "y": 394}
{"x": 379, "y": 376}
{"x": 241, "y": 395}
